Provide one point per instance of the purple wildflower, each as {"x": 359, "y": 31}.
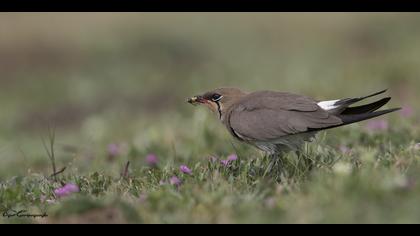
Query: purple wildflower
{"x": 113, "y": 150}
{"x": 72, "y": 188}
{"x": 225, "y": 162}
{"x": 152, "y": 160}
{"x": 61, "y": 192}
{"x": 377, "y": 125}
{"x": 184, "y": 169}
{"x": 232, "y": 157}
{"x": 67, "y": 190}
{"x": 175, "y": 181}
{"x": 417, "y": 146}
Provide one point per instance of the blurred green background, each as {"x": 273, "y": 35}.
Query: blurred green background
{"x": 104, "y": 78}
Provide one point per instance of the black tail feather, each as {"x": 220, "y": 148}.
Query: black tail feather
{"x": 349, "y": 101}
{"x": 353, "y": 118}
{"x": 371, "y": 107}
{"x": 349, "y": 119}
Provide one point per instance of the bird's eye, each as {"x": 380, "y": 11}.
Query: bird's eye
{"x": 216, "y": 97}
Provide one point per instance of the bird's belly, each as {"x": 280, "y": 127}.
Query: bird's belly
{"x": 284, "y": 144}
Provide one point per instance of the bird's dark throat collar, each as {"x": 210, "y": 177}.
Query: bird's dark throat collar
{"x": 219, "y": 109}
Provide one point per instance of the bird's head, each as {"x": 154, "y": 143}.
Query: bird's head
{"x": 218, "y": 100}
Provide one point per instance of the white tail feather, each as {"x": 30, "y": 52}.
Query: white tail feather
{"x": 328, "y": 105}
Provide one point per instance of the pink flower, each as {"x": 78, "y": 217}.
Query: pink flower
{"x": 175, "y": 181}
{"x": 184, "y": 169}
{"x": 232, "y": 157}
{"x": 407, "y": 111}
{"x": 417, "y": 146}
{"x": 225, "y": 162}
{"x": 377, "y": 125}
{"x": 72, "y": 188}
{"x": 67, "y": 190}
{"x": 152, "y": 160}
{"x": 61, "y": 192}
{"x": 113, "y": 150}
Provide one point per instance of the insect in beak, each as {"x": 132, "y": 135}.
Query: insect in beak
{"x": 195, "y": 100}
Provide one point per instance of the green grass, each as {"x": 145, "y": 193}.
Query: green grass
{"x": 123, "y": 79}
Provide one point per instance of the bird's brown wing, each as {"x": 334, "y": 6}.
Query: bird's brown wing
{"x": 266, "y": 116}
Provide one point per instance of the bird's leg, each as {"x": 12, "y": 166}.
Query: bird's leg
{"x": 279, "y": 166}
{"x": 272, "y": 160}
{"x": 274, "y": 168}
{"x": 308, "y": 162}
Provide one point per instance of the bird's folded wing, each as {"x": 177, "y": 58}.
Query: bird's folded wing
{"x": 269, "y": 117}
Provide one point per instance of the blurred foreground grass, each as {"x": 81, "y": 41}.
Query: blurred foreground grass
{"x": 122, "y": 79}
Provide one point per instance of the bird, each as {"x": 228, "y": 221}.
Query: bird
{"x": 278, "y": 122}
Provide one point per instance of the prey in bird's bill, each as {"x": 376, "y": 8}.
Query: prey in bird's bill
{"x": 277, "y": 122}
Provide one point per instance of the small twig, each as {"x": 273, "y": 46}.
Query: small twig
{"x": 124, "y": 174}
{"x": 58, "y": 172}
{"x": 50, "y": 151}
{"x": 52, "y": 141}
{"x": 45, "y": 147}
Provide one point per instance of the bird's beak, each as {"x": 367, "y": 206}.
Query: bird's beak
{"x": 196, "y": 99}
